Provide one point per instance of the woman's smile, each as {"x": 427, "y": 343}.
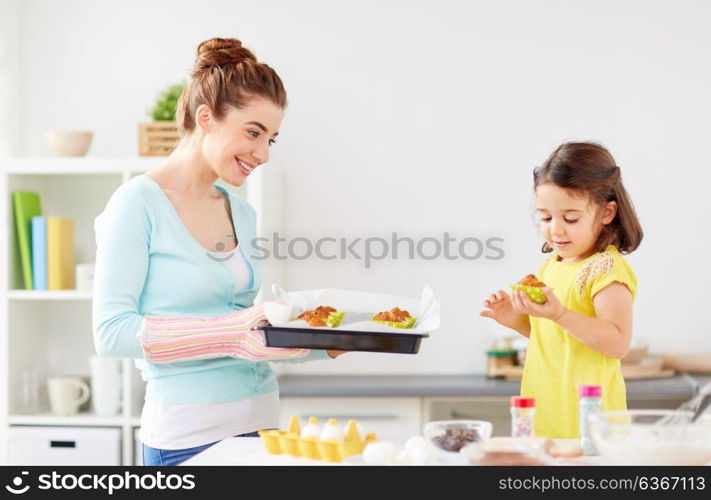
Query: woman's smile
{"x": 244, "y": 167}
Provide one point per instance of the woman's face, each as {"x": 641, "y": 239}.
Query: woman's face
{"x": 238, "y": 143}
{"x": 570, "y": 224}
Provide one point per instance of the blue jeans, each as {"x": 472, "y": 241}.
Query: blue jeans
{"x": 155, "y": 456}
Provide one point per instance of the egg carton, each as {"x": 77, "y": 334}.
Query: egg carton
{"x": 290, "y": 442}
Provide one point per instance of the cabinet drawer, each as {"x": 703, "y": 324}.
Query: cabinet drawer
{"x": 654, "y": 403}
{"x": 494, "y": 410}
{"x": 497, "y": 411}
{"x": 389, "y": 418}
{"x": 63, "y": 446}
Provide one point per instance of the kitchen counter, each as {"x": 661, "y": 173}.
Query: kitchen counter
{"x": 246, "y": 451}
{"x": 249, "y": 451}
{"x": 678, "y": 387}
{"x": 340, "y": 391}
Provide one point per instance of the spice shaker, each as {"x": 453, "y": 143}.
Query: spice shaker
{"x": 590, "y": 404}
{"x": 523, "y": 411}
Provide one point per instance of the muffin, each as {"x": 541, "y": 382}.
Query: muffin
{"x": 533, "y": 287}
{"x": 322, "y": 317}
{"x": 395, "y": 317}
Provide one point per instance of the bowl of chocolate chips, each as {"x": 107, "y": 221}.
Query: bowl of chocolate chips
{"x": 453, "y": 435}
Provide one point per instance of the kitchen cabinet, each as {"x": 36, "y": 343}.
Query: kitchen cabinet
{"x": 416, "y": 399}
{"x": 399, "y": 418}
{"x": 491, "y": 409}
{"x": 496, "y": 409}
{"x": 28, "y": 445}
{"x": 390, "y": 418}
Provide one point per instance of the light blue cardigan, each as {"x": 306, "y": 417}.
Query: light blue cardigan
{"x": 148, "y": 263}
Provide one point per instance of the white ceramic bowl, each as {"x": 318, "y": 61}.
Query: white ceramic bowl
{"x": 632, "y": 438}
{"x": 69, "y": 142}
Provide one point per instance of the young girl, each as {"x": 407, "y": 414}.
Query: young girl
{"x": 579, "y": 334}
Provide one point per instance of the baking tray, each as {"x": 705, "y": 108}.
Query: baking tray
{"x": 343, "y": 340}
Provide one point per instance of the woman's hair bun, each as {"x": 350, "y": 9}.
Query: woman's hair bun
{"x": 221, "y": 52}
{"x": 226, "y": 74}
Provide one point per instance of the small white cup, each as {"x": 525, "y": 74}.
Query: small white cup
{"x": 66, "y": 395}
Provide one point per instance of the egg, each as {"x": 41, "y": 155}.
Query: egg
{"x": 361, "y": 432}
{"x": 332, "y": 431}
{"x": 354, "y": 431}
{"x": 312, "y": 429}
{"x": 379, "y": 453}
{"x": 418, "y": 451}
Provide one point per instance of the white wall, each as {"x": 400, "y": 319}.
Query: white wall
{"x": 9, "y": 76}
{"x": 425, "y": 117}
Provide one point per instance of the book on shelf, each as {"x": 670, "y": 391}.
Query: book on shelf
{"x": 25, "y": 205}
{"x": 60, "y": 253}
{"x": 39, "y": 252}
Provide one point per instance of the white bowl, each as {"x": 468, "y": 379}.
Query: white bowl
{"x": 69, "y": 142}
{"x": 632, "y": 438}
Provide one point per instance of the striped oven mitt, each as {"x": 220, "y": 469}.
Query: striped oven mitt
{"x": 167, "y": 339}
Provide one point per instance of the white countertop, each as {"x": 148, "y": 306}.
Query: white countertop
{"x": 246, "y": 451}
{"x": 249, "y": 451}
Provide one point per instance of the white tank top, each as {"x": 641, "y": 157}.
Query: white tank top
{"x": 237, "y": 264}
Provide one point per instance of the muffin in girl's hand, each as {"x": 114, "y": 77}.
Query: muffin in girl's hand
{"x": 533, "y": 287}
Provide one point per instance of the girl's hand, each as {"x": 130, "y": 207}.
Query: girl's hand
{"x": 335, "y": 354}
{"x": 552, "y": 309}
{"x": 500, "y": 308}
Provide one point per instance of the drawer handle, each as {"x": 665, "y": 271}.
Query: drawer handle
{"x": 356, "y": 417}
{"x": 63, "y": 444}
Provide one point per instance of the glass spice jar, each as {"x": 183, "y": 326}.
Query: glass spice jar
{"x": 523, "y": 411}
{"x": 590, "y": 404}
{"x": 497, "y": 359}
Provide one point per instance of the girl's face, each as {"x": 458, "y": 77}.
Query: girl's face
{"x": 570, "y": 223}
{"x": 238, "y": 143}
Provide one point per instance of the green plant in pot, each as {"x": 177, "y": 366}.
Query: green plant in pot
{"x": 160, "y": 137}
{"x": 165, "y": 106}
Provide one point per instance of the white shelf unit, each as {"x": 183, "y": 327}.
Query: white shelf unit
{"x": 50, "y": 331}
{"x": 48, "y": 295}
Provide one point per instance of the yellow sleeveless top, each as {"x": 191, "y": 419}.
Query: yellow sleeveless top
{"x": 556, "y": 363}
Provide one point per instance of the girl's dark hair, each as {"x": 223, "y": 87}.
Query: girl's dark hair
{"x": 226, "y": 74}
{"x": 589, "y": 169}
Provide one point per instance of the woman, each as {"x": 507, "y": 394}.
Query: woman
{"x": 172, "y": 243}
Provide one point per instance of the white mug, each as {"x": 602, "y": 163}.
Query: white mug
{"x": 66, "y": 395}
{"x": 105, "y": 385}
